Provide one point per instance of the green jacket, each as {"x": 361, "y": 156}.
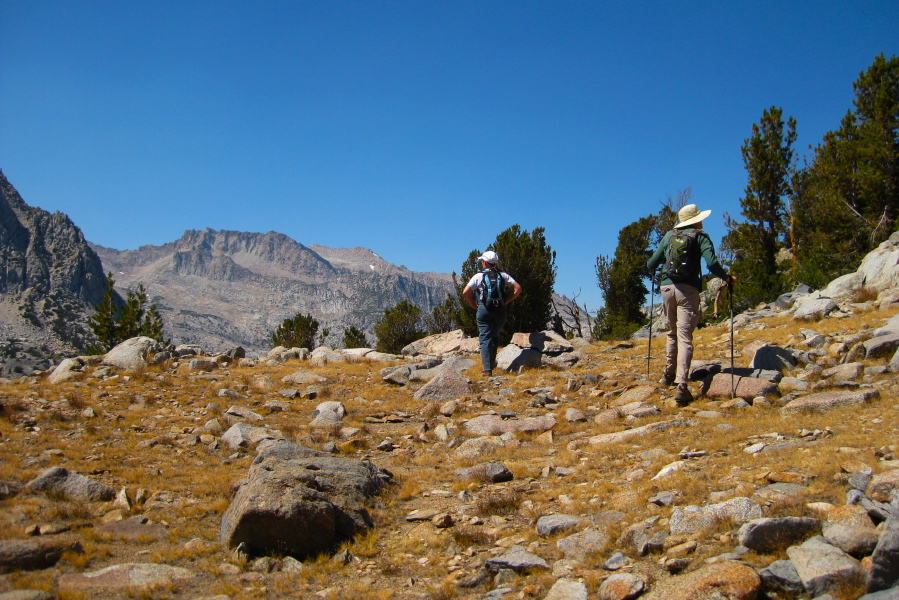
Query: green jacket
{"x": 706, "y": 248}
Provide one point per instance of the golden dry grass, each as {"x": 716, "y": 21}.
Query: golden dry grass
{"x": 192, "y": 482}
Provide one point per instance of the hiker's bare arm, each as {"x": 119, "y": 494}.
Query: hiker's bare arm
{"x": 516, "y": 292}
{"x": 468, "y": 294}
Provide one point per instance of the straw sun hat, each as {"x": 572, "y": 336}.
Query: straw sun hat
{"x": 690, "y": 215}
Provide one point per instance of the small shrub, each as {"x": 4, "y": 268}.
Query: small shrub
{"x": 863, "y": 294}
{"x": 467, "y": 535}
{"x": 503, "y": 501}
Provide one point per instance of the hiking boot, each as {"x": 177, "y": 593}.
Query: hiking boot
{"x": 667, "y": 379}
{"x": 487, "y": 372}
{"x": 683, "y": 396}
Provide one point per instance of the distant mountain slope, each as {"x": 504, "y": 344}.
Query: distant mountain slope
{"x": 49, "y": 279}
{"x": 226, "y": 288}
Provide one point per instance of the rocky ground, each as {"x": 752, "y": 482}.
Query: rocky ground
{"x": 574, "y": 478}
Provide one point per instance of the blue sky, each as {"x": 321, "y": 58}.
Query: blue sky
{"x": 418, "y": 129}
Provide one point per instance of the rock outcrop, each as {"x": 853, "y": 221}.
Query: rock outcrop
{"x": 49, "y": 279}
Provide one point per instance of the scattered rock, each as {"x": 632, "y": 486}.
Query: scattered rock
{"x": 552, "y": 524}
{"x": 59, "y": 482}
{"x": 124, "y": 577}
{"x": 32, "y": 555}
{"x": 518, "y": 559}
{"x": 567, "y": 589}
{"x": 446, "y": 385}
{"x": 767, "y": 536}
{"x": 824, "y": 401}
{"x": 726, "y": 580}
{"x": 823, "y": 567}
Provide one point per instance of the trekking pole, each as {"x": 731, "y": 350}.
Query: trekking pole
{"x": 733, "y": 389}
{"x": 652, "y": 299}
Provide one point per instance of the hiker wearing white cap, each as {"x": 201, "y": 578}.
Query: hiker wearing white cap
{"x": 487, "y": 292}
{"x": 681, "y": 282}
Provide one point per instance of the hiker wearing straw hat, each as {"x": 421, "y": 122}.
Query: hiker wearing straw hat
{"x": 489, "y": 292}
{"x": 680, "y": 251}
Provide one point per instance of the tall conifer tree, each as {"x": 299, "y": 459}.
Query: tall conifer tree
{"x": 753, "y": 245}
{"x": 848, "y": 198}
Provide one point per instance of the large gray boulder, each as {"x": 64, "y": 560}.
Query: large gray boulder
{"x": 691, "y": 519}
{"x": 300, "y": 502}
{"x": 518, "y": 559}
{"x": 130, "y": 355}
{"x": 437, "y": 344}
{"x": 243, "y": 435}
{"x": 546, "y": 342}
{"x": 496, "y": 425}
{"x": 722, "y": 385}
{"x": 303, "y": 377}
{"x": 880, "y": 267}
{"x": 781, "y": 576}
{"x": 567, "y": 589}
{"x": 881, "y": 345}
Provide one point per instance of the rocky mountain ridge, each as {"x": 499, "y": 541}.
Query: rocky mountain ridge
{"x": 227, "y": 288}
{"x": 49, "y": 279}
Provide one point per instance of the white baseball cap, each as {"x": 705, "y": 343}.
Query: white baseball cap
{"x": 490, "y": 257}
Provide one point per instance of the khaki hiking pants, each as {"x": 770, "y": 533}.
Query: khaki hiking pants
{"x": 681, "y": 302}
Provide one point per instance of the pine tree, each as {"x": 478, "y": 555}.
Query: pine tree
{"x": 298, "y": 331}
{"x": 152, "y": 326}
{"x": 353, "y": 337}
{"x": 441, "y": 319}
{"x": 753, "y": 245}
{"x": 399, "y": 327}
{"x": 115, "y": 321}
{"x": 848, "y": 199}
{"x": 622, "y": 281}
{"x": 132, "y": 318}
{"x": 103, "y": 322}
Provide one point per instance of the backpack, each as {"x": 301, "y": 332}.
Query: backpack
{"x": 492, "y": 295}
{"x": 682, "y": 263}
